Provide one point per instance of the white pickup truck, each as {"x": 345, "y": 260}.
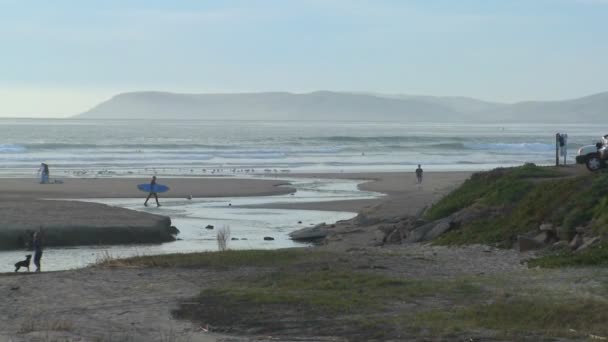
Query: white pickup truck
{"x": 594, "y": 156}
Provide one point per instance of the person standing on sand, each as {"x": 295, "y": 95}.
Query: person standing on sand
{"x": 37, "y": 243}
{"x": 152, "y": 192}
{"x": 419, "y": 174}
{"x": 44, "y": 173}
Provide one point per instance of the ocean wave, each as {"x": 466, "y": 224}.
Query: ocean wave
{"x": 534, "y": 147}
{"x": 12, "y": 148}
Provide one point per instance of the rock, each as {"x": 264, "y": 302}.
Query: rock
{"x": 364, "y": 220}
{"x": 525, "y": 243}
{"x": 576, "y": 242}
{"x": 268, "y": 238}
{"x": 588, "y": 242}
{"x": 560, "y": 245}
{"x": 234, "y": 239}
{"x": 546, "y": 237}
{"x": 546, "y": 227}
{"x": 430, "y": 231}
{"x": 311, "y": 234}
{"x": 299, "y": 222}
{"x": 209, "y": 226}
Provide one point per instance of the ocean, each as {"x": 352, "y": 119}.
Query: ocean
{"x": 103, "y": 148}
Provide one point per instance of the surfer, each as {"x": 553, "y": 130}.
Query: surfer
{"x": 152, "y": 192}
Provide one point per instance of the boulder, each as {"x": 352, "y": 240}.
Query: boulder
{"x": 589, "y": 242}
{"x": 430, "y": 231}
{"x": 525, "y": 243}
{"x": 209, "y": 226}
{"x": 546, "y": 227}
{"x": 311, "y": 234}
{"x": 546, "y": 237}
{"x": 268, "y": 238}
{"x": 576, "y": 242}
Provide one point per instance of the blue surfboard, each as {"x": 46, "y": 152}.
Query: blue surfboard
{"x": 152, "y": 188}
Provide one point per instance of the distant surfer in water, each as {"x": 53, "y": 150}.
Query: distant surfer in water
{"x": 152, "y": 192}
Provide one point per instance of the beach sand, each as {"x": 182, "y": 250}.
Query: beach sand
{"x": 74, "y": 188}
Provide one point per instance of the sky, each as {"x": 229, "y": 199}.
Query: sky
{"x": 59, "y": 58}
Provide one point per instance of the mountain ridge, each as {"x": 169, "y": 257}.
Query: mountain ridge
{"x": 348, "y": 106}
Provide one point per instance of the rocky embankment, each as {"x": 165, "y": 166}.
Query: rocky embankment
{"x": 72, "y": 223}
{"x": 559, "y": 211}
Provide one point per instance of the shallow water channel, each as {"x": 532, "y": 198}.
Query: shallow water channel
{"x": 248, "y": 226}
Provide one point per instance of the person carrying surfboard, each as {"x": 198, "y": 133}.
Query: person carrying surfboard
{"x": 152, "y": 192}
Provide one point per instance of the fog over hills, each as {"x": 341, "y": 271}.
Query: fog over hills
{"x": 342, "y": 106}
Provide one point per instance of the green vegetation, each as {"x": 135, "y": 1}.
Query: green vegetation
{"x": 597, "y": 256}
{"x": 219, "y": 260}
{"x": 522, "y": 317}
{"x": 331, "y": 292}
{"x": 525, "y": 197}
{"x": 496, "y": 187}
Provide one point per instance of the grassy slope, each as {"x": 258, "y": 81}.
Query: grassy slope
{"x": 529, "y": 196}
{"x": 305, "y": 292}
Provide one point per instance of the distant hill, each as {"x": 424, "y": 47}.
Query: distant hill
{"x": 341, "y": 106}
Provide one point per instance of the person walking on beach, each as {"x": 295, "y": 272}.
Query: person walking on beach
{"x": 37, "y": 244}
{"x": 152, "y": 192}
{"x": 419, "y": 174}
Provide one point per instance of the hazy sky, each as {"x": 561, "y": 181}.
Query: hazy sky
{"x": 58, "y": 58}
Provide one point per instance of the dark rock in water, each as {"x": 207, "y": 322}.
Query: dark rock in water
{"x": 268, "y": 238}
{"x": 300, "y": 222}
{"x": 234, "y": 239}
{"x": 209, "y": 226}
{"x": 230, "y": 204}
{"x": 243, "y": 238}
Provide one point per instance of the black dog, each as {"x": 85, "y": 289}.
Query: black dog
{"x": 25, "y": 263}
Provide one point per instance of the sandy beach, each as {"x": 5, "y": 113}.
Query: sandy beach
{"x": 74, "y": 188}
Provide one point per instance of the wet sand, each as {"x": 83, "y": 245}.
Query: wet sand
{"x": 127, "y": 187}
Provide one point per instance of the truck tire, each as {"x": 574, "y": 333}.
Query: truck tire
{"x": 594, "y": 163}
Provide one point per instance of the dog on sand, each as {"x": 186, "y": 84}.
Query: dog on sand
{"x": 24, "y": 263}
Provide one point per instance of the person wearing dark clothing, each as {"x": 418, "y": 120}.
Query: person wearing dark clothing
{"x": 152, "y": 192}
{"x": 419, "y": 174}
{"x": 37, "y": 244}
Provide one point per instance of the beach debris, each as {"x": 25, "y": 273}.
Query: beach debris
{"x": 268, "y": 238}
{"x": 209, "y": 226}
